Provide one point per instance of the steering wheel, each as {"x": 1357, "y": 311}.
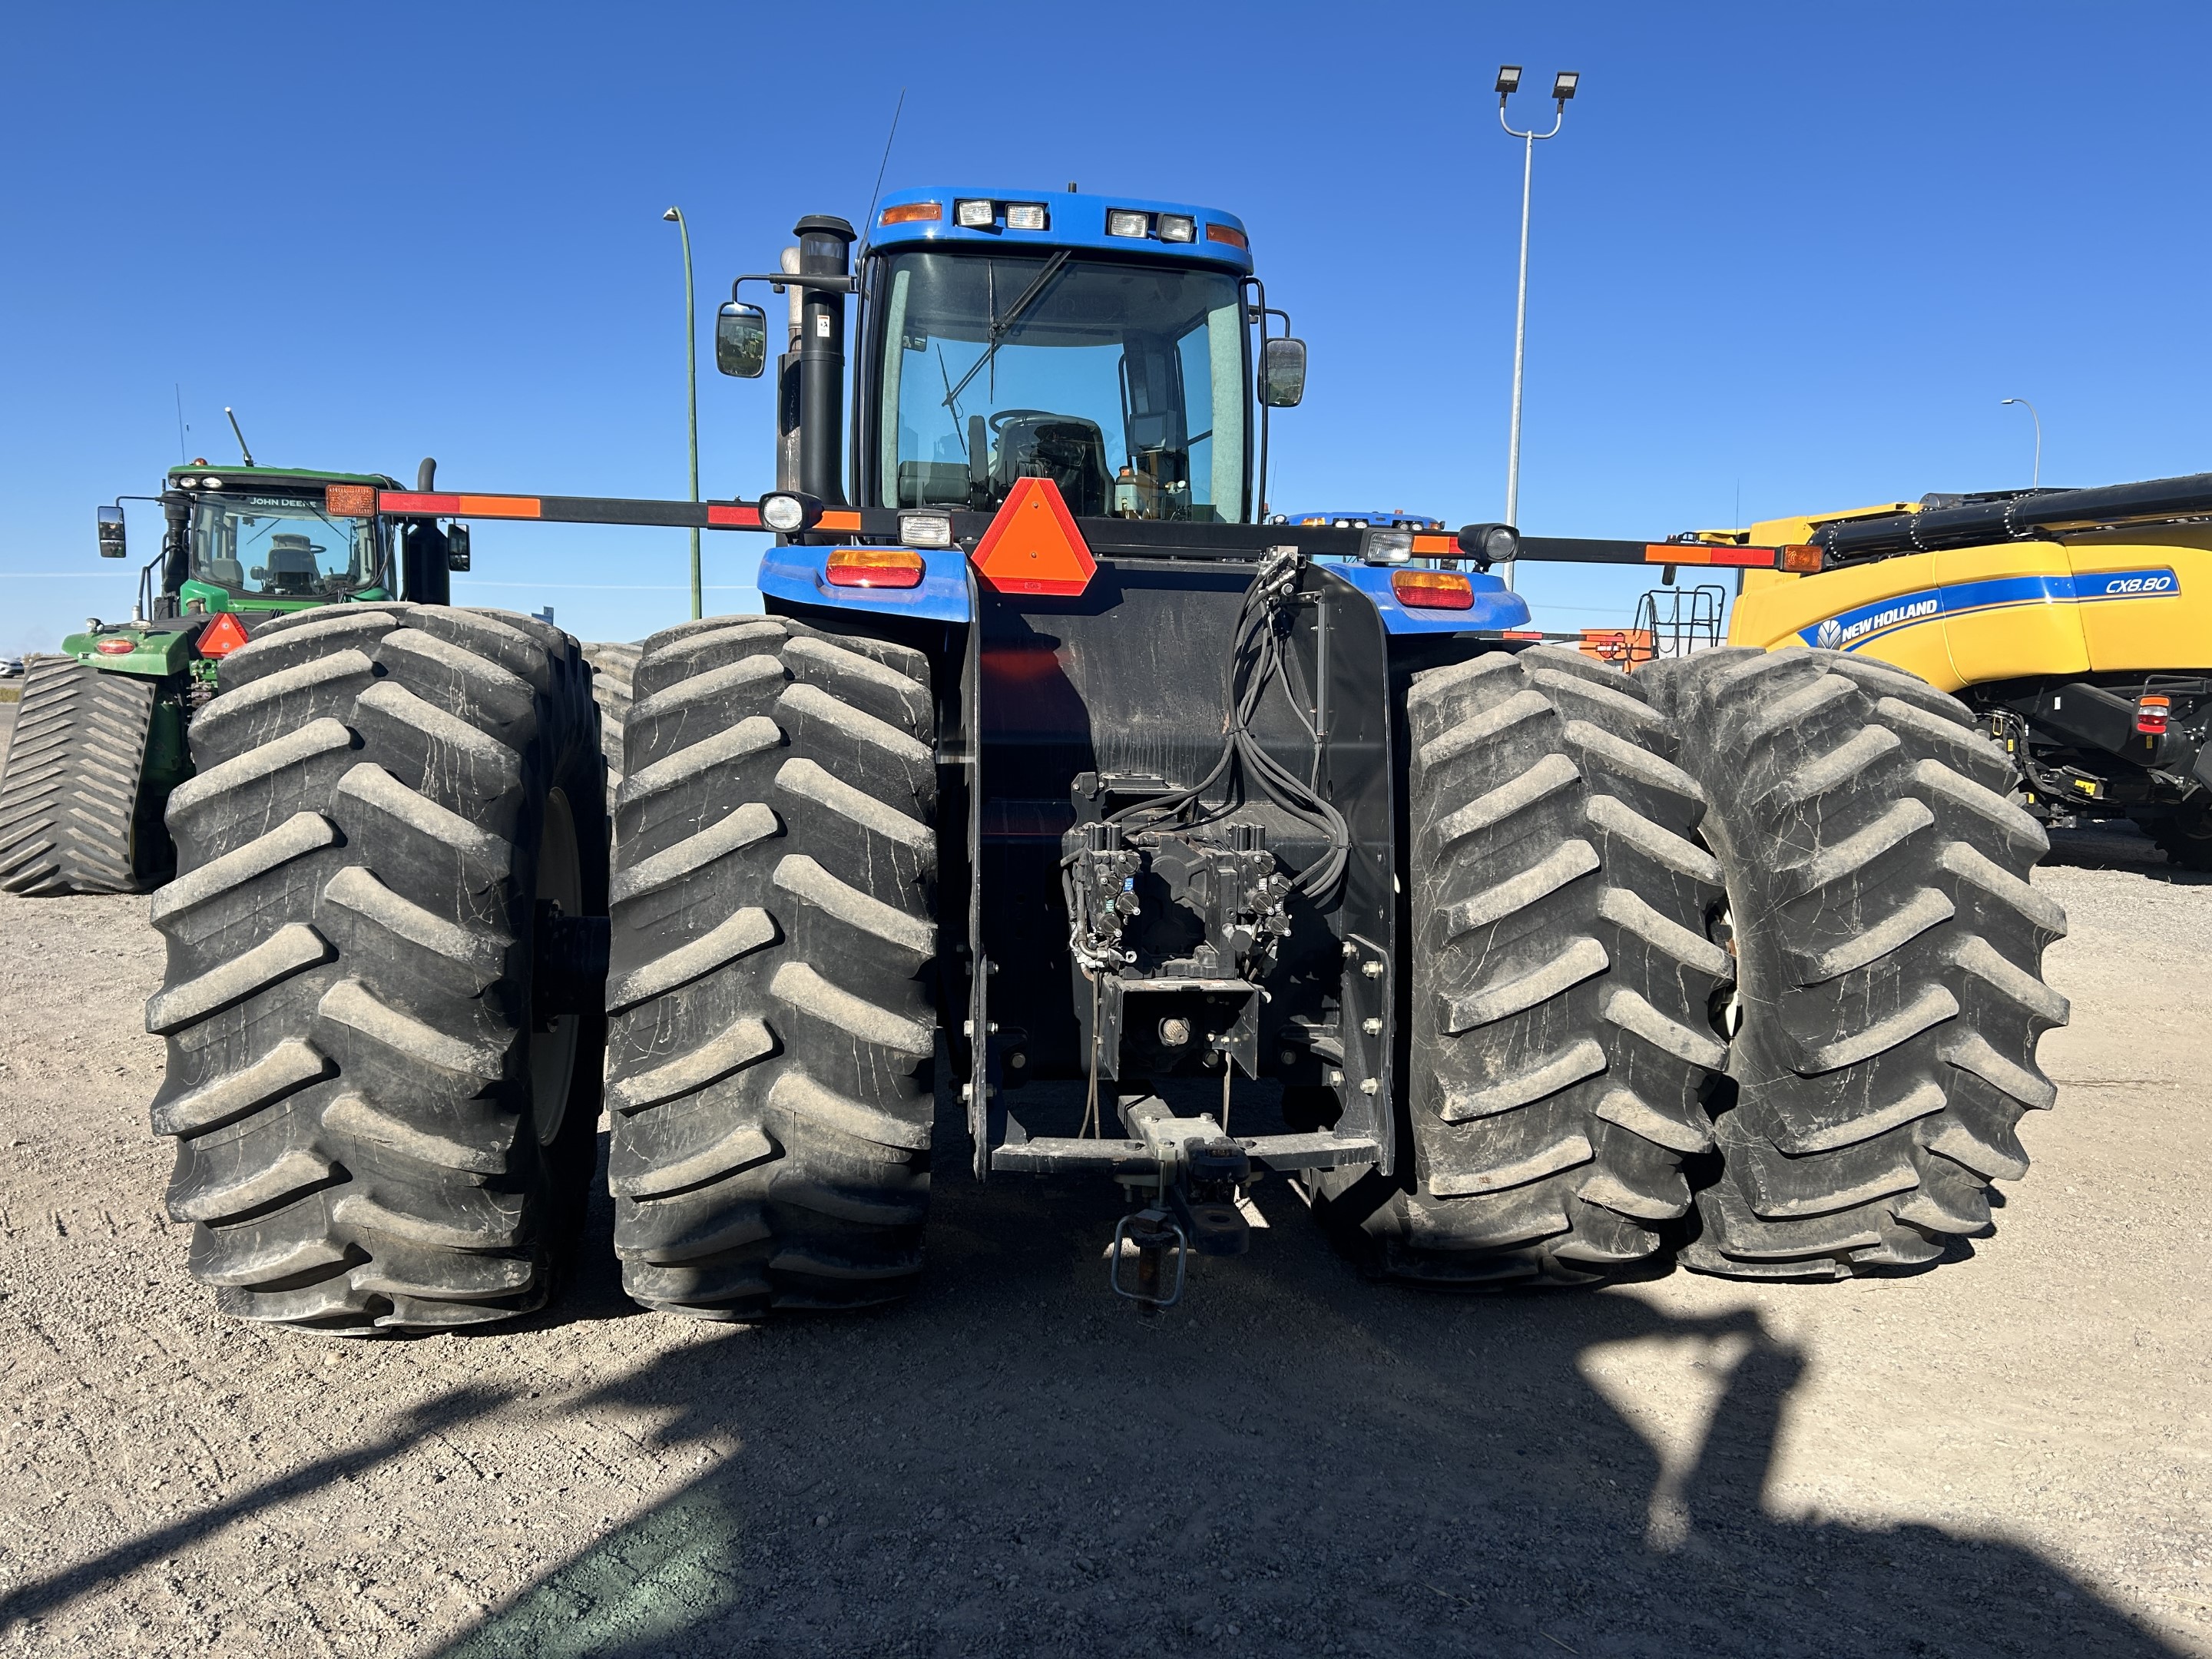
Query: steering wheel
{"x": 1005, "y": 414}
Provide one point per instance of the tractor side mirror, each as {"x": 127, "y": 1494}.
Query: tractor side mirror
{"x": 456, "y": 547}
{"x": 110, "y": 532}
{"x": 1282, "y": 372}
{"x": 741, "y": 340}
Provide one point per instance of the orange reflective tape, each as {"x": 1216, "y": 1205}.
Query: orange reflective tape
{"x": 1708, "y": 553}
{"x": 498, "y": 506}
{"x": 836, "y": 519}
{"x": 1436, "y": 547}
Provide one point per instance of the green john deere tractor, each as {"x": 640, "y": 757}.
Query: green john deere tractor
{"x": 99, "y": 740}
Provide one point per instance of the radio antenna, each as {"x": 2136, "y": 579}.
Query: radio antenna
{"x": 869, "y": 218}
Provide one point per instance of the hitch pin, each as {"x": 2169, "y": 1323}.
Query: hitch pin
{"x": 1152, "y": 1230}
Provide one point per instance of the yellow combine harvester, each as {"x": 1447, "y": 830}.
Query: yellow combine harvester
{"x": 2076, "y": 623}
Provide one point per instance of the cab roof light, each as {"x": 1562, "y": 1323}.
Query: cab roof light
{"x": 911, "y": 213}
{"x": 1027, "y": 215}
{"x": 1801, "y": 559}
{"x": 350, "y": 500}
{"x": 974, "y": 215}
{"x": 1127, "y": 221}
{"x": 1178, "y": 228}
{"x": 873, "y": 567}
{"x": 1433, "y": 590}
{"x": 1228, "y": 234}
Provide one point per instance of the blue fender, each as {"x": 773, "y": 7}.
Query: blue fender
{"x": 1496, "y": 606}
{"x": 797, "y": 575}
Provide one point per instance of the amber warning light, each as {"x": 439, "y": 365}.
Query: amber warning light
{"x": 874, "y": 567}
{"x": 1433, "y": 590}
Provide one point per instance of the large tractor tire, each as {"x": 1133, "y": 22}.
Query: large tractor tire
{"x": 773, "y": 985}
{"x": 2183, "y": 833}
{"x": 384, "y": 1122}
{"x": 1562, "y": 980}
{"x": 1889, "y": 952}
{"x": 613, "y": 667}
{"x": 71, "y": 818}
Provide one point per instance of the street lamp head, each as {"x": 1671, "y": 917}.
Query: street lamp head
{"x": 1564, "y": 84}
{"x": 1509, "y": 80}
{"x": 673, "y": 215}
{"x": 2008, "y": 400}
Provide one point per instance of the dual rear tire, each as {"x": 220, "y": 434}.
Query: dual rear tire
{"x": 380, "y": 1123}
{"x": 1757, "y": 923}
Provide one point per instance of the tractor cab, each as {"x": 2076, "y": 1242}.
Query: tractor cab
{"x": 266, "y": 539}
{"x": 1119, "y": 348}
{"x": 1104, "y": 346}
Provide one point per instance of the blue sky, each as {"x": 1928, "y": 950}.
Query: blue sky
{"x": 1784, "y": 256}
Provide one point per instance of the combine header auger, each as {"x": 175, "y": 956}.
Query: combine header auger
{"x": 1052, "y": 762}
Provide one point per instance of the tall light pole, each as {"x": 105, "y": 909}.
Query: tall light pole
{"x": 675, "y": 216}
{"x": 2035, "y": 482}
{"x": 1563, "y": 88}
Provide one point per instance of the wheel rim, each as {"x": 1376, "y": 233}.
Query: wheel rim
{"x": 553, "y": 1052}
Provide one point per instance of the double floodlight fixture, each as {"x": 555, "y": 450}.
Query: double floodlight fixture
{"x": 1509, "y": 83}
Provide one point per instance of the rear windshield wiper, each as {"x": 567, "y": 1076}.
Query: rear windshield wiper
{"x": 1001, "y": 325}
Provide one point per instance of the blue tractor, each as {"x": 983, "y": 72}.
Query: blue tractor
{"x": 1060, "y": 787}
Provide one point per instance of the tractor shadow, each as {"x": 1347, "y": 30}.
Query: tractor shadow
{"x": 2118, "y": 846}
{"x": 1295, "y": 1461}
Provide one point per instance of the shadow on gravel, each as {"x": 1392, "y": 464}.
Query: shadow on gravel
{"x": 28, "y": 1603}
{"x": 2119, "y": 847}
{"x": 1294, "y": 1463}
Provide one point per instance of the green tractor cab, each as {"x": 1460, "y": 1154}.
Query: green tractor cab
{"x": 99, "y": 737}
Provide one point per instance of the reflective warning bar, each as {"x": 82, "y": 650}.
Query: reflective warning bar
{"x": 1753, "y": 558}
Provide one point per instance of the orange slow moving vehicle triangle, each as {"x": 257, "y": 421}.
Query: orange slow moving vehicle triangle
{"x": 1033, "y": 545}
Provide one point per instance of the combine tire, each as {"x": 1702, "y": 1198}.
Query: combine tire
{"x": 1562, "y": 975}
{"x": 2183, "y": 834}
{"x": 1889, "y": 949}
{"x": 772, "y": 984}
{"x": 382, "y": 1122}
{"x": 612, "y": 667}
{"x": 71, "y": 817}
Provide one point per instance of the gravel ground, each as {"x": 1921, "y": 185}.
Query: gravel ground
{"x": 2010, "y": 1455}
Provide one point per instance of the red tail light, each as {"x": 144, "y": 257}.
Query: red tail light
{"x": 116, "y": 648}
{"x": 1433, "y": 590}
{"x": 874, "y": 567}
{"x": 223, "y": 636}
{"x": 2151, "y": 715}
